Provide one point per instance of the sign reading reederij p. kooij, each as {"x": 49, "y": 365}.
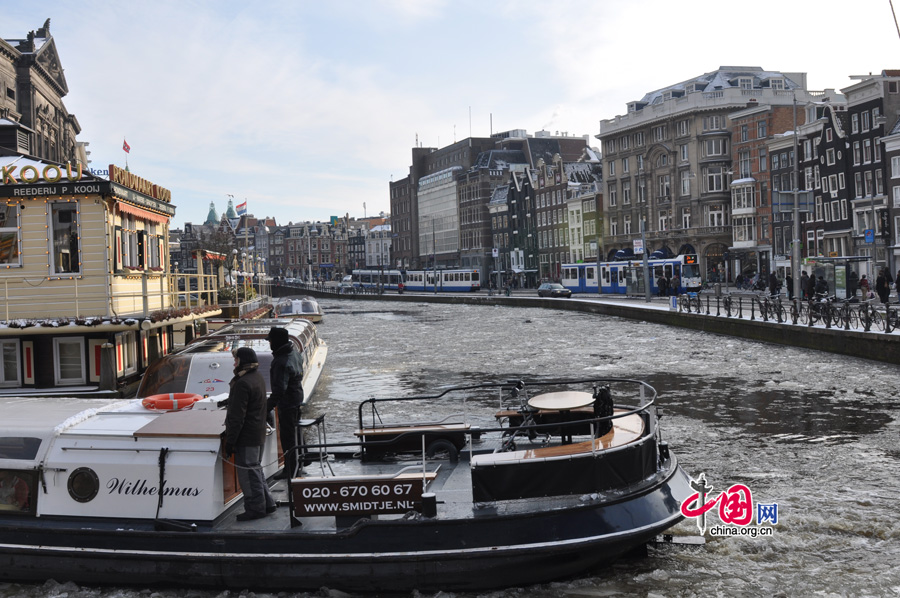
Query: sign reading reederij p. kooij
{"x": 33, "y": 181}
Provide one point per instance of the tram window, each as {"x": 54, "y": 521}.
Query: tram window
{"x": 589, "y": 273}
{"x": 605, "y": 275}
{"x": 621, "y": 275}
{"x": 474, "y": 276}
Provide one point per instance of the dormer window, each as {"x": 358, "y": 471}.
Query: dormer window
{"x": 745, "y": 82}
{"x": 776, "y": 83}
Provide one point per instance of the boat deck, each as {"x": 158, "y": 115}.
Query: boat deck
{"x": 451, "y": 482}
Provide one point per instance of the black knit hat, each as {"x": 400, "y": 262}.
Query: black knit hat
{"x": 246, "y": 356}
{"x": 278, "y": 336}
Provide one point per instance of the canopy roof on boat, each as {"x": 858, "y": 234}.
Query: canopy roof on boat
{"x": 29, "y": 423}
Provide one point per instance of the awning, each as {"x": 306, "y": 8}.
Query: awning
{"x": 142, "y": 213}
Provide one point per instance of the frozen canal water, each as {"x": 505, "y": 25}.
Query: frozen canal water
{"x": 813, "y": 432}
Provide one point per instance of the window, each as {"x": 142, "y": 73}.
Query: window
{"x": 683, "y": 152}
{"x": 713, "y": 123}
{"x": 639, "y": 139}
{"x": 857, "y": 153}
{"x": 879, "y": 182}
{"x": 854, "y": 123}
{"x": 613, "y": 195}
{"x": 716, "y": 215}
{"x": 743, "y": 197}
{"x": 683, "y": 127}
{"x": 829, "y": 156}
{"x": 613, "y": 227}
{"x": 857, "y": 184}
{"x": 715, "y": 179}
{"x": 744, "y": 229}
{"x": 744, "y": 163}
{"x": 828, "y": 134}
{"x": 761, "y": 131}
{"x": 611, "y": 168}
{"x": 833, "y": 185}
{"x": 627, "y": 227}
{"x": 868, "y": 181}
{"x": 626, "y": 192}
{"x": 866, "y": 121}
{"x": 9, "y": 235}
{"x": 685, "y": 218}
{"x": 776, "y": 164}
{"x": 642, "y": 190}
{"x": 745, "y": 133}
{"x": 65, "y": 257}
{"x": 662, "y": 160}
{"x": 659, "y": 133}
{"x": 685, "y": 182}
{"x": 9, "y": 364}
{"x": 126, "y": 346}
{"x": 715, "y": 147}
{"x": 763, "y": 158}
{"x": 867, "y": 151}
{"x": 68, "y": 357}
{"x": 624, "y": 167}
{"x": 877, "y": 145}
{"x": 745, "y": 82}
{"x": 664, "y": 186}
{"x": 663, "y": 220}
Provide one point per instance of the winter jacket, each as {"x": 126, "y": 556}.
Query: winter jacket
{"x": 245, "y": 419}
{"x": 286, "y": 373}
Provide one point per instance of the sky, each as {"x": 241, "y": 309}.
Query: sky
{"x": 308, "y": 109}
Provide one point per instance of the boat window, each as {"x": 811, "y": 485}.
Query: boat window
{"x": 19, "y": 447}
{"x": 15, "y": 491}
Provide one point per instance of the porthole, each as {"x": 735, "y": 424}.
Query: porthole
{"x": 84, "y": 484}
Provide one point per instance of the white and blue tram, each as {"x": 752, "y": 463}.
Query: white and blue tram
{"x": 390, "y": 279}
{"x": 580, "y": 278}
{"x": 626, "y": 276}
{"x": 447, "y": 281}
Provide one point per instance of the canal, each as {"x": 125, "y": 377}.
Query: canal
{"x": 816, "y": 433}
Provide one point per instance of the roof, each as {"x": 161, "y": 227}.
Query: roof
{"x": 724, "y": 77}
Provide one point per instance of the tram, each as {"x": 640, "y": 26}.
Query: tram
{"x": 389, "y": 279}
{"x": 448, "y": 281}
{"x": 619, "y": 277}
{"x": 580, "y": 278}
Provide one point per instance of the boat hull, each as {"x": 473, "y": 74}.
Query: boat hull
{"x": 477, "y": 552}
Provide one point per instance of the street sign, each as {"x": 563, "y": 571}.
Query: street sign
{"x": 783, "y": 201}
{"x": 638, "y": 246}
{"x": 870, "y": 235}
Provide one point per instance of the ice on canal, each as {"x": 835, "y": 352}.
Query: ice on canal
{"x": 815, "y": 433}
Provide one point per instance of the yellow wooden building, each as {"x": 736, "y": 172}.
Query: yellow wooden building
{"x": 88, "y": 296}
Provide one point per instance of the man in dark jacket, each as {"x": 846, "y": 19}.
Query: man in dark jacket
{"x": 287, "y": 395}
{"x": 245, "y": 433}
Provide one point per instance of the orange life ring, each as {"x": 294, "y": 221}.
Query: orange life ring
{"x": 174, "y": 401}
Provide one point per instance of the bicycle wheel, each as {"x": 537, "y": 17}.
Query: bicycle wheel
{"x": 854, "y": 319}
{"x": 780, "y": 312}
{"x": 877, "y": 320}
{"x": 697, "y": 304}
{"x": 686, "y": 304}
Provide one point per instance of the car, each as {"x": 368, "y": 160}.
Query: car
{"x": 553, "y": 289}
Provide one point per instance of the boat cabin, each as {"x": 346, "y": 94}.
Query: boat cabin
{"x": 204, "y": 367}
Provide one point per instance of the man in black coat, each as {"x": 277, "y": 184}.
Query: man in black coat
{"x": 245, "y": 433}
{"x": 286, "y": 374}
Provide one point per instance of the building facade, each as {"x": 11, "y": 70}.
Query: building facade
{"x": 673, "y": 151}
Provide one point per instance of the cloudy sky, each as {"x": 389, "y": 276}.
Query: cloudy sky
{"x": 307, "y": 109}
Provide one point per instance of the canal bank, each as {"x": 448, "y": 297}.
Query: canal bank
{"x": 877, "y": 346}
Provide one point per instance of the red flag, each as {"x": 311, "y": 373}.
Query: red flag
{"x": 126, "y": 147}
